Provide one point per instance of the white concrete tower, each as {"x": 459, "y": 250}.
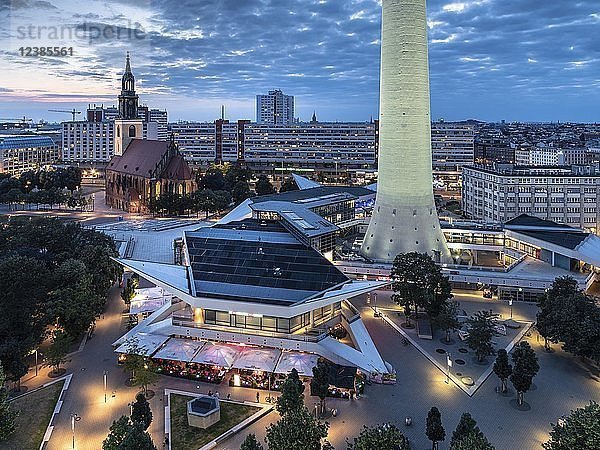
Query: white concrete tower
{"x": 404, "y": 217}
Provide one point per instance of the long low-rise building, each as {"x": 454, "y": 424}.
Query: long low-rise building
{"x": 20, "y": 154}
{"x": 567, "y": 195}
{"x": 332, "y": 147}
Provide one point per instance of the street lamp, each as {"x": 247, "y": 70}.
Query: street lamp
{"x": 510, "y": 302}
{"x": 448, "y": 365}
{"x": 36, "y": 362}
{"x": 74, "y": 418}
{"x": 375, "y": 303}
{"x": 104, "y": 375}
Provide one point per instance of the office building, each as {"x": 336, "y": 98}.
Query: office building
{"x": 566, "y": 195}
{"x": 275, "y": 108}
{"x": 20, "y": 154}
{"x": 552, "y": 156}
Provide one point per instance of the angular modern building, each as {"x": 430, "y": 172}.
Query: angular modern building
{"x": 405, "y": 218}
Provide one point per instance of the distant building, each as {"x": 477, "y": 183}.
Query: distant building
{"x": 23, "y": 153}
{"x": 489, "y": 150}
{"x": 452, "y": 147}
{"x": 567, "y": 195}
{"x": 146, "y": 170}
{"x": 316, "y": 146}
{"x": 107, "y": 130}
{"x": 552, "y": 156}
{"x": 275, "y": 108}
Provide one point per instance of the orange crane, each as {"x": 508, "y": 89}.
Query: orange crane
{"x": 73, "y": 112}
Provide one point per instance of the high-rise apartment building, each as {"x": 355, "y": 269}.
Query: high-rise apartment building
{"x": 275, "y": 108}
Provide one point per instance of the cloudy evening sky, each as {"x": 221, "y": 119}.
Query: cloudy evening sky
{"x": 533, "y": 60}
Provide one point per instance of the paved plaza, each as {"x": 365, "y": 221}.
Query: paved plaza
{"x": 562, "y": 384}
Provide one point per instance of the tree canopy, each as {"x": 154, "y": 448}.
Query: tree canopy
{"x": 297, "y": 430}
{"x": 570, "y": 316}
{"x": 580, "y": 430}
{"x": 51, "y": 271}
{"x": 525, "y": 368}
{"x": 292, "y": 394}
{"x": 418, "y": 282}
{"x": 434, "y": 429}
{"x": 481, "y": 331}
{"x": 381, "y": 437}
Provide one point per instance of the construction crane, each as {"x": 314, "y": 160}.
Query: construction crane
{"x": 21, "y": 121}
{"x": 73, "y": 112}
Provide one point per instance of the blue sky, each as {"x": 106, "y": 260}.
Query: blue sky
{"x": 529, "y": 60}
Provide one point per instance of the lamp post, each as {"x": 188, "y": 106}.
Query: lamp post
{"x": 36, "y": 362}
{"x": 74, "y": 418}
{"x": 104, "y": 376}
{"x": 130, "y": 409}
{"x": 510, "y": 302}
{"x": 448, "y": 366}
{"x": 375, "y": 303}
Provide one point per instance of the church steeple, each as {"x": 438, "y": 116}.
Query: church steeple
{"x": 128, "y": 100}
{"x": 314, "y": 117}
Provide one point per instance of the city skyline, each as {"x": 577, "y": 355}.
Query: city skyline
{"x": 489, "y": 60}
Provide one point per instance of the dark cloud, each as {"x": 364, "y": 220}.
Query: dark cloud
{"x": 490, "y": 59}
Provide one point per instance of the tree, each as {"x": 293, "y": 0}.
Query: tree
{"x": 525, "y": 368}
{"x": 263, "y": 186}
{"x": 381, "y": 437}
{"x": 554, "y": 307}
{"x": 434, "y": 429}
{"x": 137, "y": 439}
{"x": 481, "y": 331}
{"x": 212, "y": 180}
{"x": 117, "y": 432}
{"x": 236, "y": 173}
{"x": 251, "y": 443}
{"x": 56, "y": 353}
{"x": 128, "y": 292}
{"x": 7, "y": 416}
{"x": 298, "y": 429}
{"x": 240, "y": 192}
{"x": 288, "y": 185}
{"x": 292, "y": 397}
{"x": 472, "y": 441}
{"x": 319, "y": 385}
{"x": 23, "y": 315}
{"x": 580, "y": 430}
{"x": 502, "y": 368}
{"x": 418, "y": 282}
{"x": 142, "y": 370}
{"x": 141, "y": 414}
{"x": 222, "y": 200}
{"x": 447, "y": 319}
{"x": 466, "y": 426}
{"x": 204, "y": 200}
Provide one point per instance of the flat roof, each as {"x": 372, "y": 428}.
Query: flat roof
{"x": 316, "y": 194}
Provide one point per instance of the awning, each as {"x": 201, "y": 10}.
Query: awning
{"x": 148, "y": 300}
{"x": 177, "y": 349}
{"x": 302, "y": 362}
{"x": 215, "y": 354}
{"x": 146, "y": 343}
{"x": 263, "y": 359}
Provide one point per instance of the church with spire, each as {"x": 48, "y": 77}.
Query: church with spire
{"x": 142, "y": 170}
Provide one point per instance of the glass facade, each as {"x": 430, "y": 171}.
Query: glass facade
{"x": 269, "y": 323}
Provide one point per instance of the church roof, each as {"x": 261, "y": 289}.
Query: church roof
{"x": 142, "y": 156}
{"x": 178, "y": 169}
{"x": 139, "y": 158}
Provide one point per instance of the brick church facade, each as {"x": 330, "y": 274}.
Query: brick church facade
{"x": 141, "y": 169}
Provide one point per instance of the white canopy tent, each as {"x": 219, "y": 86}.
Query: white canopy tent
{"x": 264, "y": 359}
{"x": 302, "y": 362}
{"x": 146, "y": 343}
{"x": 148, "y": 300}
{"x": 176, "y": 349}
{"x": 216, "y": 354}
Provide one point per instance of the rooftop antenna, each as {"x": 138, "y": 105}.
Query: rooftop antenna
{"x": 222, "y": 112}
